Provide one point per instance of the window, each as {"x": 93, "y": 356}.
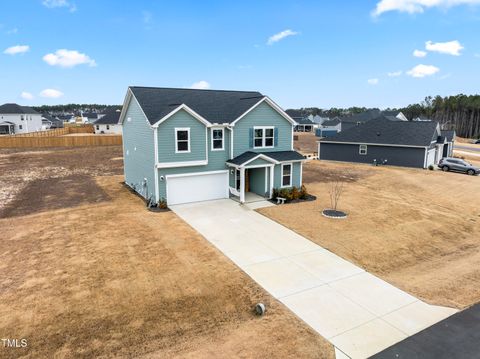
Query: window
{"x": 22, "y": 118}
{"x": 20, "y": 127}
{"x": 362, "y": 149}
{"x": 263, "y": 137}
{"x": 237, "y": 180}
{"x": 182, "y": 140}
{"x": 217, "y": 139}
{"x": 287, "y": 175}
{"x": 108, "y": 127}
{"x": 98, "y": 127}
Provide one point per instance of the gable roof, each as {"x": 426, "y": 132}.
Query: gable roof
{"x": 110, "y": 118}
{"x": 448, "y": 134}
{"x": 384, "y": 131}
{"x": 216, "y": 106}
{"x": 329, "y": 123}
{"x": 304, "y": 121}
{"x": 278, "y": 156}
{"x": 13, "y": 108}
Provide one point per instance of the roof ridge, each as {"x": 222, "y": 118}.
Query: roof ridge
{"x": 190, "y": 89}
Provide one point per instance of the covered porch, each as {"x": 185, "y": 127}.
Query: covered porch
{"x": 7, "y": 128}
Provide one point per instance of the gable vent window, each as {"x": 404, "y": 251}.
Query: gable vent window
{"x": 182, "y": 140}
{"x": 217, "y": 139}
{"x": 362, "y": 149}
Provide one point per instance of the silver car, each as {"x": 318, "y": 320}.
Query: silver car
{"x": 457, "y": 164}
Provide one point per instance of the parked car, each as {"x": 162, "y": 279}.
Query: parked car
{"x": 477, "y": 142}
{"x": 457, "y": 164}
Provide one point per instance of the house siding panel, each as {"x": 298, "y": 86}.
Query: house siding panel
{"x": 396, "y": 156}
{"x": 277, "y": 180}
{"x": 262, "y": 115}
{"x": 138, "y": 151}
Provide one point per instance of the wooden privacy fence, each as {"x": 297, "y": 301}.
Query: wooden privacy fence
{"x": 57, "y": 131}
{"x": 59, "y": 141}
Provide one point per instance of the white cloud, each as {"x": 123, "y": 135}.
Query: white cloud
{"x": 59, "y": 3}
{"x": 12, "y": 31}
{"x": 68, "y": 58}
{"x": 417, "y": 6}
{"x": 281, "y": 35}
{"x": 26, "y": 95}
{"x": 394, "y": 74}
{"x": 372, "y": 81}
{"x": 450, "y": 47}
{"x": 200, "y": 85}
{"x": 51, "y": 93}
{"x": 423, "y": 70}
{"x": 419, "y": 53}
{"x": 18, "y": 49}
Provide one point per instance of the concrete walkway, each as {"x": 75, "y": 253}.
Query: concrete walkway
{"x": 357, "y": 312}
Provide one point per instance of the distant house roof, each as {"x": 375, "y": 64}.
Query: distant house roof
{"x": 384, "y": 131}
{"x": 392, "y": 118}
{"x": 362, "y": 116}
{"x": 295, "y": 113}
{"x": 13, "y": 108}
{"x": 47, "y": 116}
{"x": 448, "y": 134}
{"x": 65, "y": 117}
{"x": 111, "y": 118}
{"x": 304, "y": 121}
{"x": 330, "y": 123}
{"x": 279, "y": 156}
{"x": 216, "y": 106}
{"x": 91, "y": 115}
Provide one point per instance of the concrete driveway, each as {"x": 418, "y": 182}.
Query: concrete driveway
{"x": 357, "y": 312}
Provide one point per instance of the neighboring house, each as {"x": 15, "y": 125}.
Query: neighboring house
{"x": 304, "y": 125}
{"x": 329, "y": 128}
{"x": 108, "y": 123}
{"x": 47, "y": 122}
{"x": 318, "y": 120}
{"x": 398, "y": 143}
{"x": 19, "y": 119}
{"x": 187, "y": 145}
{"x": 395, "y": 115}
{"x": 66, "y": 118}
{"x": 449, "y": 136}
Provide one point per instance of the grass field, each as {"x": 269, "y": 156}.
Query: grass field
{"x": 88, "y": 272}
{"x": 416, "y": 229}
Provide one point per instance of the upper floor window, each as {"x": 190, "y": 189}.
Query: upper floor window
{"x": 108, "y": 127}
{"x": 263, "y": 137}
{"x": 217, "y": 139}
{"x": 362, "y": 149}
{"x": 98, "y": 127}
{"x": 182, "y": 140}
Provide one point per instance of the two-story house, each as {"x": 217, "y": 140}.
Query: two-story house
{"x": 187, "y": 145}
{"x": 19, "y": 119}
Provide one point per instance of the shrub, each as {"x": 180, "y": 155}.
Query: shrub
{"x": 295, "y": 193}
{"x": 431, "y": 168}
{"x": 162, "y": 204}
{"x": 303, "y": 192}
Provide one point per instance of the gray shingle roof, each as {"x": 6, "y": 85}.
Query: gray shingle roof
{"x": 13, "y": 108}
{"x": 111, "y": 118}
{"x": 216, "y": 106}
{"x": 448, "y": 134}
{"x": 304, "y": 121}
{"x": 280, "y": 156}
{"x": 333, "y": 122}
{"x": 383, "y": 131}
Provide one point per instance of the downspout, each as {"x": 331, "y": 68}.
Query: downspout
{"x": 155, "y": 144}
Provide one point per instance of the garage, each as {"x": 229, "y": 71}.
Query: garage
{"x": 196, "y": 187}
{"x": 430, "y": 157}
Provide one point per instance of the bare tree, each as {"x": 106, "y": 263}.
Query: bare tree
{"x": 336, "y": 191}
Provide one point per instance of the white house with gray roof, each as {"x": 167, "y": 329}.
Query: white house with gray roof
{"x": 19, "y": 119}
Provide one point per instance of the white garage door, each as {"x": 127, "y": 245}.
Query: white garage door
{"x": 196, "y": 187}
{"x": 431, "y": 157}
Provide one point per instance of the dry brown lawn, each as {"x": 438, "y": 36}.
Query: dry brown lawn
{"x": 306, "y": 142}
{"x": 417, "y": 229}
{"x": 104, "y": 277}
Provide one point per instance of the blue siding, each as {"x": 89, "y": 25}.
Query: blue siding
{"x": 277, "y": 180}
{"x": 262, "y": 115}
{"x": 138, "y": 151}
{"x": 167, "y": 140}
{"x": 257, "y": 180}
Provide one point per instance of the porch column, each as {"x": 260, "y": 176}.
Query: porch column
{"x": 271, "y": 180}
{"x": 242, "y": 185}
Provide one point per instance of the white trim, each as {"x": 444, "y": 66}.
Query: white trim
{"x": 155, "y": 144}
{"x": 293, "y": 127}
{"x": 266, "y": 179}
{"x": 261, "y": 156}
{"x": 272, "y": 104}
{"x": 281, "y": 175}
{"x": 264, "y": 137}
{"x": 181, "y": 164}
{"x": 211, "y": 138}
{"x": 242, "y": 185}
{"x": 237, "y": 172}
{"x": 301, "y": 174}
{"x": 272, "y": 176}
{"x": 257, "y": 166}
{"x": 177, "y": 129}
{"x": 196, "y": 174}
{"x": 363, "y": 149}
{"x": 206, "y": 143}
{"x": 128, "y": 96}
{"x": 185, "y": 108}
{"x": 231, "y": 142}
{"x": 318, "y": 154}
{"x": 370, "y": 144}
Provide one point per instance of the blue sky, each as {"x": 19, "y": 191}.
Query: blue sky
{"x": 324, "y": 54}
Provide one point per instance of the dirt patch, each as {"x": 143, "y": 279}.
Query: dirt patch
{"x": 115, "y": 280}
{"x": 323, "y": 172}
{"x": 416, "y": 229}
{"x": 306, "y": 142}
{"x": 55, "y": 193}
